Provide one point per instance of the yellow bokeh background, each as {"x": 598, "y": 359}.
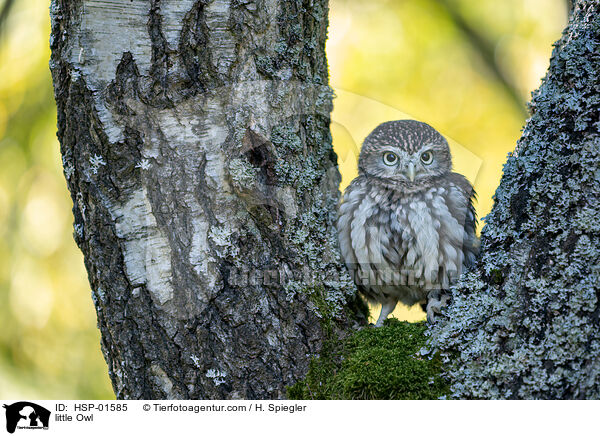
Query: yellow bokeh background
{"x": 388, "y": 60}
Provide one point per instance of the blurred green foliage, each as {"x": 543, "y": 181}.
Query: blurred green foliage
{"x": 49, "y": 344}
{"x": 465, "y": 67}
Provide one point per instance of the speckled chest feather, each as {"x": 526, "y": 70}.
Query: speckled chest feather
{"x": 400, "y": 244}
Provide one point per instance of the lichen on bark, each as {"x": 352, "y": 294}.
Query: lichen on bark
{"x": 524, "y": 323}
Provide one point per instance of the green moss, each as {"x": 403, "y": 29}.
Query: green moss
{"x": 375, "y": 363}
{"x": 324, "y": 309}
{"x": 496, "y": 277}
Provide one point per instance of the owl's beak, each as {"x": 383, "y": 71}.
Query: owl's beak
{"x": 410, "y": 172}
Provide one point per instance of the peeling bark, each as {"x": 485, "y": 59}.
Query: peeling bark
{"x": 524, "y": 324}
{"x": 196, "y": 146}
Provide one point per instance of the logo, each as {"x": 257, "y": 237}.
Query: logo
{"x": 26, "y": 415}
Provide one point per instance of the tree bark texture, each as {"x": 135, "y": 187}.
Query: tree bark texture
{"x": 524, "y": 323}
{"x": 196, "y": 146}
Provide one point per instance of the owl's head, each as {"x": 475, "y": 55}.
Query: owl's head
{"x": 405, "y": 151}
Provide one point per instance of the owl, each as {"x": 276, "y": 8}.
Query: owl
{"x": 406, "y": 223}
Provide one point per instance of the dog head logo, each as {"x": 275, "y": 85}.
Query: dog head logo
{"x": 26, "y": 415}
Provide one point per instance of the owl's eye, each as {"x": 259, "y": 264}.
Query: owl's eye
{"x": 427, "y": 157}
{"x": 390, "y": 158}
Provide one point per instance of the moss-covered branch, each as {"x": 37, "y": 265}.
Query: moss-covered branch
{"x": 391, "y": 362}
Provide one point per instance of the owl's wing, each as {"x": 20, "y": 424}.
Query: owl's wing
{"x": 351, "y": 200}
{"x": 460, "y": 199}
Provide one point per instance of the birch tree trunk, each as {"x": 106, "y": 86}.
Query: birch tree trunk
{"x": 196, "y": 146}
{"x": 524, "y": 324}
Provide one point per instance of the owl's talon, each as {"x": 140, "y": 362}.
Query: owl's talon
{"x": 435, "y": 303}
{"x": 387, "y": 307}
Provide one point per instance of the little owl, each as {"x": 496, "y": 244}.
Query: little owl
{"x": 406, "y": 224}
